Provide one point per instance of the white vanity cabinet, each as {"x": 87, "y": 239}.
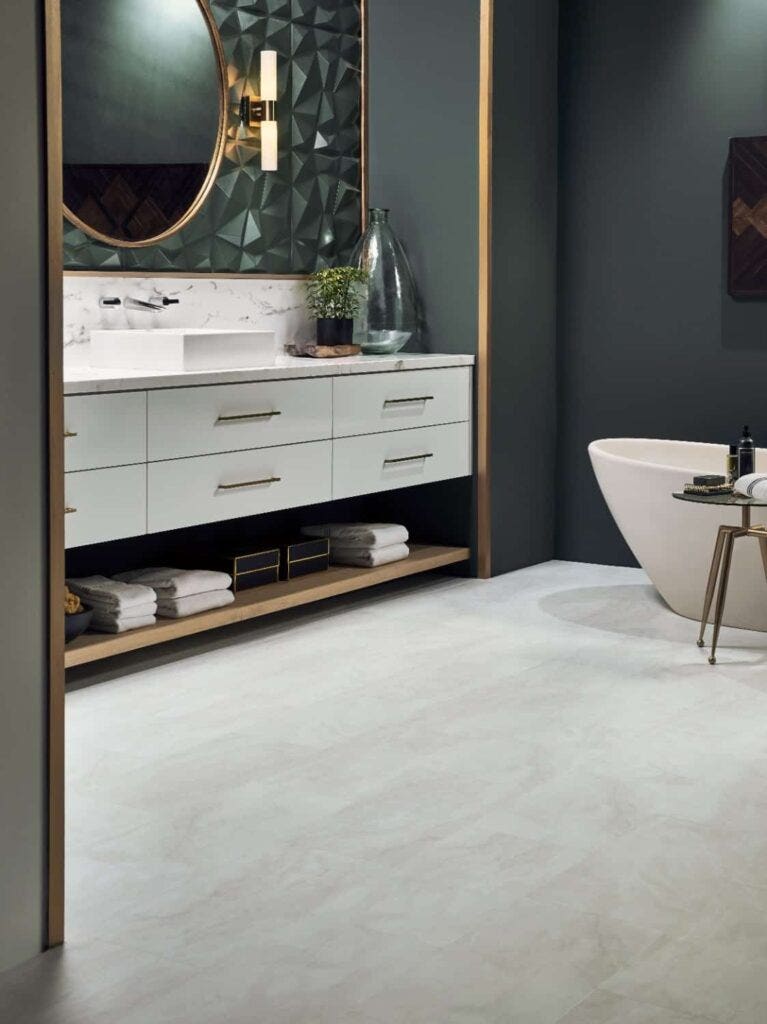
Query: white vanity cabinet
{"x": 169, "y": 455}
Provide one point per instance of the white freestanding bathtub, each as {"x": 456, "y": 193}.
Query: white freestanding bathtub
{"x": 673, "y": 540}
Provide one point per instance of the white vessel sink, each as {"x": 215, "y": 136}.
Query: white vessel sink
{"x": 182, "y": 349}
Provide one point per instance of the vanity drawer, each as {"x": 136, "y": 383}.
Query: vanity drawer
{"x": 237, "y": 417}
{"x": 369, "y": 404}
{"x": 382, "y": 462}
{"x": 104, "y": 430}
{"x": 105, "y": 504}
{"x": 210, "y": 488}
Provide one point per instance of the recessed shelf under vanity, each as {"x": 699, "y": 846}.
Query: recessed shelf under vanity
{"x": 151, "y": 454}
{"x": 267, "y": 600}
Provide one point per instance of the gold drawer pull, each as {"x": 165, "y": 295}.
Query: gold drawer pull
{"x": 404, "y": 401}
{"x": 409, "y": 458}
{"x": 249, "y": 483}
{"x": 69, "y": 510}
{"x": 247, "y": 416}
{"x": 70, "y": 433}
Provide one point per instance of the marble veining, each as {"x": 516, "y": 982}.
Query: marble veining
{"x": 275, "y": 304}
{"x": 522, "y": 801}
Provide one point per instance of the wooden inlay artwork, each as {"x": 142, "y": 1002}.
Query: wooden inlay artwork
{"x": 748, "y": 217}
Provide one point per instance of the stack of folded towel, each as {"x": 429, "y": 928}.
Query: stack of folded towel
{"x": 182, "y": 592}
{"x": 753, "y": 485}
{"x": 363, "y": 544}
{"x": 117, "y": 607}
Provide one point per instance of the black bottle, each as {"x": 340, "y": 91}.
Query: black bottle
{"x": 746, "y": 453}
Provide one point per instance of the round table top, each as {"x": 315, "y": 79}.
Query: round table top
{"x": 722, "y": 499}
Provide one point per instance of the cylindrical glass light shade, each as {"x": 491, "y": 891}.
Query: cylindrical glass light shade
{"x": 269, "y": 75}
{"x": 269, "y": 146}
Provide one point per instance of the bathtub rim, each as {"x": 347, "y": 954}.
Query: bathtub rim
{"x": 594, "y": 447}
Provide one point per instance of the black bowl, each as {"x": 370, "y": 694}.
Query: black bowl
{"x": 76, "y": 624}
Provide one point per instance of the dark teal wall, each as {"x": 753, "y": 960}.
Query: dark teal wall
{"x": 423, "y": 95}
{"x": 23, "y": 475}
{"x": 650, "y": 344}
{"x": 424, "y": 128}
{"x": 524, "y": 230}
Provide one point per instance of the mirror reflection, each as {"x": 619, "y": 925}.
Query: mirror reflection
{"x": 143, "y": 115}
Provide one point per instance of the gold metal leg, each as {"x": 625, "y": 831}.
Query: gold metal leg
{"x": 710, "y": 587}
{"x": 721, "y": 597}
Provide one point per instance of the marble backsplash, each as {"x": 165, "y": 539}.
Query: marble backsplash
{"x": 274, "y": 304}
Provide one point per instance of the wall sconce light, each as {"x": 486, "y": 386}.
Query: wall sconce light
{"x": 261, "y": 113}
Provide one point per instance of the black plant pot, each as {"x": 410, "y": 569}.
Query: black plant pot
{"x": 333, "y": 331}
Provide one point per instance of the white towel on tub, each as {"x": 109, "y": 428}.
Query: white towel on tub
{"x": 366, "y": 535}
{"x": 752, "y": 485}
{"x": 369, "y": 557}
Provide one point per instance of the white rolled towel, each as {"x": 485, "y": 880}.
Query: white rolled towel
{"x": 172, "y": 583}
{"x": 752, "y": 485}
{"x": 377, "y": 535}
{"x": 180, "y": 607}
{"x": 369, "y": 557}
{"x": 111, "y": 595}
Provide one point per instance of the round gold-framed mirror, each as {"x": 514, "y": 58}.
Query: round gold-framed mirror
{"x": 145, "y": 115}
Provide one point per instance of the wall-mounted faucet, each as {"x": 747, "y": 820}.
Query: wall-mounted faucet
{"x": 111, "y": 302}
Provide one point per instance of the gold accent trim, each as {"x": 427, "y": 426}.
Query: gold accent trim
{"x": 54, "y": 923}
{"x": 251, "y": 572}
{"x": 364, "y": 116}
{"x": 307, "y": 558}
{"x": 213, "y": 167}
{"x": 253, "y": 554}
{"x": 247, "y": 416}
{"x": 249, "y": 483}
{"x": 484, "y": 340}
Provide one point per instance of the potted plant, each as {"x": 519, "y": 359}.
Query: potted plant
{"x": 334, "y": 300}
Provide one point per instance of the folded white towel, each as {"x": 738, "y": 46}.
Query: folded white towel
{"x": 752, "y": 485}
{"x": 360, "y": 534}
{"x": 111, "y": 594}
{"x": 123, "y": 625}
{"x": 179, "y": 607}
{"x": 105, "y": 611}
{"x": 178, "y": 582}
{"x": 370, "y": 556}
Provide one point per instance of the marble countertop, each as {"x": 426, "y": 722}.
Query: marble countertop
{"x": 82, "y": 380}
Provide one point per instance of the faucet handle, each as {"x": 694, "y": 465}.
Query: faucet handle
{"x": 169, "y": 302}
{"x": 109, "y": 302}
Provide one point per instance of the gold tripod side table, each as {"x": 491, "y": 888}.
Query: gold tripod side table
{"x": 722, "y": 560}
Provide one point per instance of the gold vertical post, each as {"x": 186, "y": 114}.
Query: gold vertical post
{"x": 56, "y": 571}
{"x": 484, "y": 522}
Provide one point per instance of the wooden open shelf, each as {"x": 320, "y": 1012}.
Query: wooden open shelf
{"x": 274, "y": 597}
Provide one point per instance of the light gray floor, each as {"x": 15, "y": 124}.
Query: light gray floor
{"x": 526, "y": 801}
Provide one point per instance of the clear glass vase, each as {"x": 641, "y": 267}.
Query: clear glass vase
{"x": 390, "y": 317}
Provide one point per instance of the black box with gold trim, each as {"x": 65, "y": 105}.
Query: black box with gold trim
{"x": 304, "y": 557}
{"x": 254, "y": 569}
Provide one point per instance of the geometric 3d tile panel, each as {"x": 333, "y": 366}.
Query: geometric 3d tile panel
{"x": 307, "y": 214}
